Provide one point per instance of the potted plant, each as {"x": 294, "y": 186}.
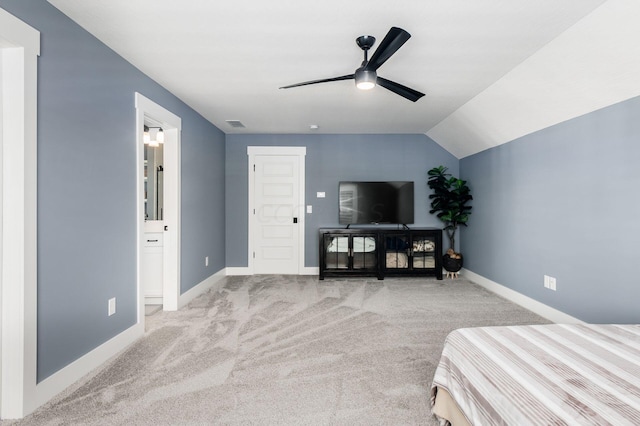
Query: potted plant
{"x": 449, "y": 201}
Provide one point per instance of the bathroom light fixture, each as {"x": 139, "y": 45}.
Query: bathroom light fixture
{"x": 153, "y": 141}
{"x": 146, "y": 137}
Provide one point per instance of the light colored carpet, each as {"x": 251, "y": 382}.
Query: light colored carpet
{"x": 286, "y": 350}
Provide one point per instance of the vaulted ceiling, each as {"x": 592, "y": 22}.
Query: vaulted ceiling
{"x": 492, "y": 70}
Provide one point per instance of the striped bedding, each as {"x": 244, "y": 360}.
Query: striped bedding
{"x": 543, "y": 374}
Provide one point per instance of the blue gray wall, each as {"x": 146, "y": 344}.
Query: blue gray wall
{"x": 330, "y": 159}
{"x": 565, "y": 202}
{"x": 87, "y": 188}
{"x": 202, "y": 200}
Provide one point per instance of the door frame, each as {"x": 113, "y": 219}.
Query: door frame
{"x": 20, "y": 48}
{"x": 298, "y": 151}
{"x": 172, "y": 127}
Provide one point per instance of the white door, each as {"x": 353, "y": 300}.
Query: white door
{"x": 277, "y": 213}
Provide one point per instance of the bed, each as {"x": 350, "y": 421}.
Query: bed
{"x": 554, "y": 374}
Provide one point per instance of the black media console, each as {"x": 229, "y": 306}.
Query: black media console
{"x": 380, "y": 252}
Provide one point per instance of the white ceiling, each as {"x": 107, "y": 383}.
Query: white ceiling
{"x": 472, "y": 58}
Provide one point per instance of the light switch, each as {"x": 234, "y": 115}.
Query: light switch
{"x": 112, "y": 306}
{"x": 320, "y": 194}
{"x": 309, "y": 209}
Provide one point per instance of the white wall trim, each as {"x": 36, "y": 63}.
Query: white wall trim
{"x": 172, "y": 125}
{"x": 300, "y": 152}
{"x": 73, "y": 372}
{"x": 277, "y": 150}
{"x": 533, "y": 305}
{"x": 231, "y": 271}
{"x": 212, "y": 282}
{"x": 313, "y": 270}
{"x": 20, "y": 48}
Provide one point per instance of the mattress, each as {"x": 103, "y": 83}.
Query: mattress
{"x": 542, "y": 374}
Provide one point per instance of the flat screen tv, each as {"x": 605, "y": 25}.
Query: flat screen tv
{"x": 376, "y": 202}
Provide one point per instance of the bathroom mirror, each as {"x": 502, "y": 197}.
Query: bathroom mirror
{"x": 153, "y": 182}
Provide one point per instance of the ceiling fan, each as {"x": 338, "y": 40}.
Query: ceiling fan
{"x": 366, "y": 76}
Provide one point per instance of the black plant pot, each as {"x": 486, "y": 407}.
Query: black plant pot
{"x": 450, "y": 264}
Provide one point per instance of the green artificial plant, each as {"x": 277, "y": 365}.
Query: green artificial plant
{"x": 449, "y": 201}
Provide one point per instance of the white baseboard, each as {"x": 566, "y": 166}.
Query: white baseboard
{"x": 237, "y": 270}
{"x": 62, "y": 379}
{"x": 310, "y": 271}
{"x": 207, "y": 284}
{"x": 234, "y": 271}
{"x": 533, "y": 305}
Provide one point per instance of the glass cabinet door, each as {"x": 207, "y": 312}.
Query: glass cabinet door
{"x": 397, "y": 251}
{"x": 424, "y": 252}
{"x": 364, "y": 252}
{"x": 336, "y": 248}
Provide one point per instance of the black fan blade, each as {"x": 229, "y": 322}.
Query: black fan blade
{"x": 326, "y": 80}
{"x": 404, "y": 91}
{"x": 393, "y": 41}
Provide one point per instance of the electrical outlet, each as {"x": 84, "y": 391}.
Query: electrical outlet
{"x": 206, "y": 261}
{"x": 112, "y": 306}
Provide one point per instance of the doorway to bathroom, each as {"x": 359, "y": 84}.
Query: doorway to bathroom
{"x": 158, "y": 151}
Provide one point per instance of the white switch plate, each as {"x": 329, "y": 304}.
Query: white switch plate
{"x": 550, "y": 282}
{"x": 112, "y": 306}
{"x": 309, "y": 209}
{"x": 206, "y": 261}
{"x": 320, "y": 194}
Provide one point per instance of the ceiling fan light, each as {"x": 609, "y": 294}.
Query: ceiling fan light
{"x": 365, "y": 80}
{"x": 365, "y": 85}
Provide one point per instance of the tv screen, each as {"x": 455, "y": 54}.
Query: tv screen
{"x": 376, "y": 202}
